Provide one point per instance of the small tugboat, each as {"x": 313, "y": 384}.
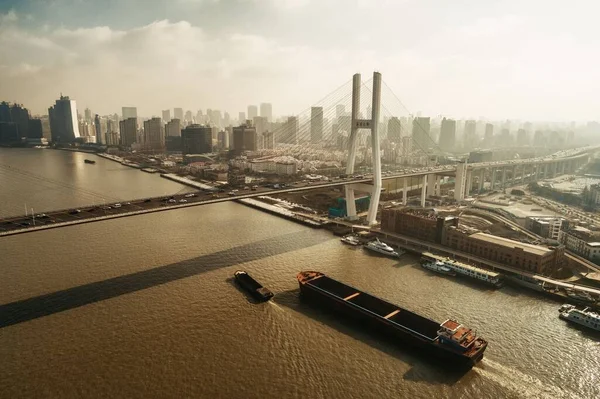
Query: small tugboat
{"x": 383, "y": 248}
{"x": 350, "y": 240}
{"x": 584, "y": 317}
{"x": 252, "y": 286}
{"x": 438, "y": 267}
{"x": 89, "y": 161}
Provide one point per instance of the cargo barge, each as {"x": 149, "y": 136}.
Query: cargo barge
{"x": 252, "y": 286}
{"x": 449, "y": 341}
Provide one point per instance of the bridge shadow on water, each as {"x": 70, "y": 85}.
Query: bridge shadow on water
{"x": 71, "y": 298}
{"x": 424, "y": 368}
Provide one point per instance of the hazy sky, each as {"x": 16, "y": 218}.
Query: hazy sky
{"x": 528, "y": 59}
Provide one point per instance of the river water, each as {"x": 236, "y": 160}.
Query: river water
{"x": 144, "y": 307}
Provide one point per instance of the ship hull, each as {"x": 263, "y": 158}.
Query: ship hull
{"x": 382, "y": 327}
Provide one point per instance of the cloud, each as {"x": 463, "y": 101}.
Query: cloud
{"x": 10, "y": 16}
{"x": 499, "y": 65}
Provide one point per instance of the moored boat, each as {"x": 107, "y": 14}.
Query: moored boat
{"x": 383, "y": 248}
{"x": 438, "y": 267}
{"x": 584, "y": 317}
{"x": 350, "y": 240}
{"x": 89, "y": 161}
{"x": 450, "y": 340}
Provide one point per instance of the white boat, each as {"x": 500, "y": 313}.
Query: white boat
{"x": 584, "y": 317}
{"x": 474, "y": 272}
{"x": 383, "y": 248}
{"x": 438, "y": 267}
{"x": 350, "y": 240}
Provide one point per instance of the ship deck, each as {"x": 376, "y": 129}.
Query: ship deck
{"x": 406, "y": 319}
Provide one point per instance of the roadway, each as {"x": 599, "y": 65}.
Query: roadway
{"x": 89, "y": 213}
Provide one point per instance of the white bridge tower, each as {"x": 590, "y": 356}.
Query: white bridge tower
{"x": 372, "y": 124}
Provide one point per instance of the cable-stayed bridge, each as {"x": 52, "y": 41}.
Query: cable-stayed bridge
{"x": 328, "y": 133}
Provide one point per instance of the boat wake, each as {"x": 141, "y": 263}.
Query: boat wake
{"x": 523, "y": 385}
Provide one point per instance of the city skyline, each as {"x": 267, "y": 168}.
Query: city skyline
{"x": 481, "y": 67}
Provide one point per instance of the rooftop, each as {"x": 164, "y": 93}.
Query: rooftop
{"x": 534, "y": 249}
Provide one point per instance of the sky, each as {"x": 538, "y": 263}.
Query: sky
{"x": 533, "y": 60}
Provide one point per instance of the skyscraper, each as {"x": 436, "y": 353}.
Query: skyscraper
{"x": 188, "y": 116}
{"x": 128, "y": 129}
{"x": 288, "y": 133}
{"x": 447, "y": 134}
{"x": 266, "y": 111}
{"x": 98, "y": 129}
{"x": 394, "y": 130}
{"x": 470, "y": 134}
{"x": 166, "y": 115}
{"x": 88, "y": 115}
{"x": 173, "y": 128}
{"x": 252, "y": 111}
{"x": 522, "y": 137}
{"x": 244, "y": 138}
{"x": 196, "y": 139}
{"x": 420, "y": 133}
{"x": 241, "y": 117}
{"x": 488, "y": 138}
{"x": 261, "y": 124}
{"x": 154, "y": 134}
{"x": 63, "y": 120}
{"x": 129, "y": 112}
{"x": 178, "y": 114}
{"x": 316, "y": 124}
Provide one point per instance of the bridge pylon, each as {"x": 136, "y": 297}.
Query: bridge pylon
{"x": 370, "y": 124}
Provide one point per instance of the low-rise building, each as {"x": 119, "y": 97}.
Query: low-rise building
{"x": 583, "y": 242}
{"x": 416, "y": 223}
{"x": 523, "y": 256}
{"x": 545, "y": 226}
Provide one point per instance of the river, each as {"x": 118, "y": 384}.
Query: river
{"x": 144, "y": 307}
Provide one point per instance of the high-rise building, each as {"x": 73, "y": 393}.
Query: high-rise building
{"x": 128, "y": 129}
{"x": 288, "y": 132}
{"x": 340, "y": 109}
{"x": 266, "y": 111}
{"x": 9, "y": 131}
{"x": 166, "y": 115}
{"x": 188, "y": 116}
{"x": 88, "y": 115}
{"x": 154, "y": 134}
{"x": 447, "y": 140}
{"x": 244, "y": 138}
{"x": 261, "y": 124}
{"x": 98, "y": 129}
{"x": 129, "y": 112}
{"x": 241, "y": 117}
{"x": 199, "y": 117}
{"x": 394, "y": 130}
{"x": 470, "y": 134}
{"x": 178, "y": 114}
{"x": 489, "y": 135}
{"x": 63, "y": 120}
{"x": 252, "y": 111}
{"x": 268, "y": 140}
{"x": 316, "y": 124}
{"x": 420, "y": 133}
{"x": 196, "y": 139}
{"x": 226, "y": 119}
{"x": 522, "y": 137}
{"x": 173, "y": 128}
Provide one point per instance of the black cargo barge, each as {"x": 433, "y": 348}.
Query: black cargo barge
{"x": 252, "y": 286}
{"x": 449, "y": 340}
